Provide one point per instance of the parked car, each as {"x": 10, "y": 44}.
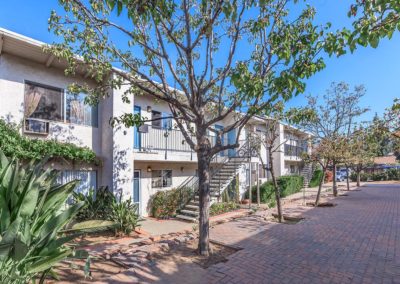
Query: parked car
{"x": 340, "y": 176}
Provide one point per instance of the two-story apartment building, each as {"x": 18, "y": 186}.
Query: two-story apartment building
{"x": 137, "y": 161}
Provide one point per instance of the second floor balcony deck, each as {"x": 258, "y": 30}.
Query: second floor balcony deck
{"x": 166, "y": 144}
{"x": 295, "y": 153}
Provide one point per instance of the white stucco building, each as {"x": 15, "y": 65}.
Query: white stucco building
{"x": 136, "y": 162}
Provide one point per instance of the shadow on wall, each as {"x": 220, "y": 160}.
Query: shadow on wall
{"x": 121, "y": 165}
{"x": 63, "y": 133}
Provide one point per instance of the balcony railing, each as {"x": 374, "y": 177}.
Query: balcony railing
{"x": 149, "y": 139}
{"x": 295, "y": 151}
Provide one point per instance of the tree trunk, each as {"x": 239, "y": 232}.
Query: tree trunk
{"x": 358, "y": 178}
{"x": 347, "y": 178}
{"x": 335, "y": 191}
{"x": 321, "y": 182}
{"x": 204, "y": 194}
{"x": 276, "y": 187}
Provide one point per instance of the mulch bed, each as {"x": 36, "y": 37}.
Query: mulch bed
{"x": 321, "y": 204}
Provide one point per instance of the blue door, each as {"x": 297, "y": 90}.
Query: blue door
{"x": 220, "y": 127}
{"x": 231, "y": 140}
{"x": 136, "y": 188}
{"x": 137, "y": 141}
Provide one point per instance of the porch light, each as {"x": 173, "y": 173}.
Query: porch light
{"x": 149, "y": 109}
{"x": 149, "y": 169}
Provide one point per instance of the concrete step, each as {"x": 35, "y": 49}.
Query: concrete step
{"x": 192, "y": 206}
{"x": 187, "y": 218}
{"x": 190, "y": 212}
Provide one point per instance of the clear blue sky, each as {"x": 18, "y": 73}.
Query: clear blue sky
{"x": 378, "y": 69}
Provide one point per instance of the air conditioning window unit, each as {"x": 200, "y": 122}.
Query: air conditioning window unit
{"x": 36, "y": 126}
{"x": 144, "y": 128}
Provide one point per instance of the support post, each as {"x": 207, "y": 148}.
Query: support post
{"x": 250, "y": 184}
{"x": 258, "y": 184}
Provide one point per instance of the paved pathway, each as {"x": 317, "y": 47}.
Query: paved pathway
{"x": 358, "y": 241}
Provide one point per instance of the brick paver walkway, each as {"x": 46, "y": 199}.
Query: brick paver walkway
{"x": 358, "y": 241}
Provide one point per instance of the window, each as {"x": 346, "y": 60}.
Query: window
{"x": 78, "y": 112}
{"x": 43, "y": 102}
{"x": 87, "y": 180}
{"x": 156, "y": 119}
{"x": 167, "y": 121}
{"x": 161, "y": 178}
{"x": 292, "y": 169}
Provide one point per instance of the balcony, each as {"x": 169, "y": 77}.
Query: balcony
{"x": 294, "y": 152}
{"x": 158, "y": 144}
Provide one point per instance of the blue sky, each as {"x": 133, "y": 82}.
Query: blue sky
{"x": 378, "y": 69}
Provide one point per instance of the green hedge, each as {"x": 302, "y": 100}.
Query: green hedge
{"x": 223, "y": 207}
{"x": 13, "y": 144}
{"x": 287, "y": 184}
{"x": 165, "y": 203}
{"x": 316, "y": 178}
{"x": 391, "y": 174}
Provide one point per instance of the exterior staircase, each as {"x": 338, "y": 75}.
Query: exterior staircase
{"x": 221, "y": 177}
{"x": 307, "y": 173}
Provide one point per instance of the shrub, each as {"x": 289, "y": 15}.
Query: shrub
{"x": 316, "y": 178}
{"x": 328, "y": 176}
{"x": 222, "y": 207}
{"x": 103, "y": 206}
{"x": 164, "y": 204}
{"x": 125, "y": 216}
{"x": 393, "y": 174}
{"x": 379, "y": 176}
{"x": 353, "y": 177}
{"x": 97, "y": 204}
{"x": 287, "y": 184}
{"x": 290, "y": 184}
{"x": 13, "y": 144}
{"x": 32, "y": 217}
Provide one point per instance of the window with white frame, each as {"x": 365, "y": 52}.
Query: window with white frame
{"x": 53, "y": 104}
{"x": 161, "y": 178}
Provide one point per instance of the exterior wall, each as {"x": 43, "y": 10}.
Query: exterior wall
{"x": 117, "y": 171}
{"x": 115, "y": 146}
{"x": 13, "y": 73}
{"x": 122, "y": 147}
{"x": 180, "y": 172}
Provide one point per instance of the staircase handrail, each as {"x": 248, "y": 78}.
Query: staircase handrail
{"x": 193, "y": 182}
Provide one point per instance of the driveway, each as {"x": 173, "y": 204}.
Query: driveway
{"x": 357, "y": 241}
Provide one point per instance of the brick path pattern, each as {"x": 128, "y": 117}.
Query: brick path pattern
{"x": 357, "y": 241}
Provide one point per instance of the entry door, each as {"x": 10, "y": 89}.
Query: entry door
{"x": 231, "y": 140}
{"x": 137, "y": 141}
{"x": 220, "y": 127}
{"x": 136, "y": 188}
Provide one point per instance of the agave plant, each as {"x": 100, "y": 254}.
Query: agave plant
{"x": 33, "y": 212}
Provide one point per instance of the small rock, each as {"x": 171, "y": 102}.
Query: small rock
{"x": 155, "y": 238}
{"x": 146, "y": 242}
{"x": 107, "y": 256}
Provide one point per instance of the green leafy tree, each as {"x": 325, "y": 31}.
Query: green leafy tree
{"x": 194, "y": 46}
{"x": 334, "y": 115}
{"x": 373, "y": 20}
{"x": 362, "y": 148}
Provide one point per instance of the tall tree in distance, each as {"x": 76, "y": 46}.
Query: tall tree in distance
{"x": 363, "y": 146}
{"x": 334, "y": 115}
{"x": 186, "y": 54}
